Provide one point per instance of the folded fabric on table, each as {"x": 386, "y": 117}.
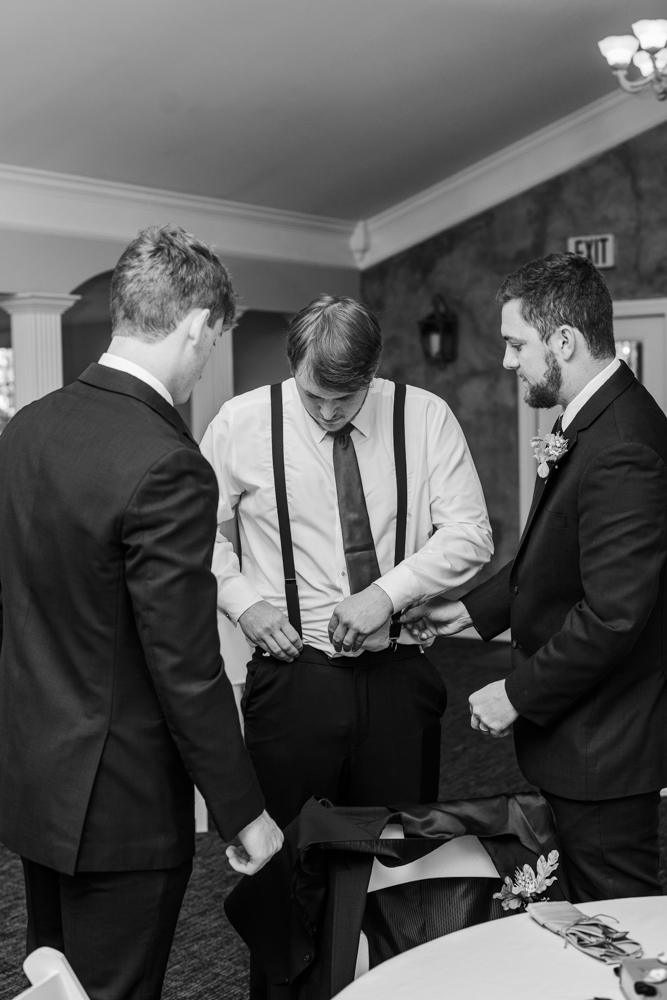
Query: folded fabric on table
{"x": 592, "y": 935}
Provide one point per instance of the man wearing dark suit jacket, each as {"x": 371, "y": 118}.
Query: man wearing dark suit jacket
{"x": 113, "y": 695}
{"x": 585, "y": 596}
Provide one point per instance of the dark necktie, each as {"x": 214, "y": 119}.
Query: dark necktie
{"x": 558, "y": 426}
{"x": 360, "y": 557}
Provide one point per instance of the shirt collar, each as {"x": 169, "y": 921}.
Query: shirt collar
{"x": 362, "y": 422}
{"x": 579, "y": 401}
{"x": 123, "y": 365}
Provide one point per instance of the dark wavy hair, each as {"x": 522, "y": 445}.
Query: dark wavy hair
{"x": 564, "y": 289}
{"x": 160, "y": 277}
{"x": 338, "y": 340}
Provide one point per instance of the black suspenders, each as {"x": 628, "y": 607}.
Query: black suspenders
{"x": 291, "y": 589}
{"x": 400, "y": 461}
{"x": 278, "y": 451}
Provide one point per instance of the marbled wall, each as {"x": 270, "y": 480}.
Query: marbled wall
{"x": 623, "y": 192}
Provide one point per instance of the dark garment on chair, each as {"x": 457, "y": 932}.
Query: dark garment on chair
{"x": 357, "y": 731}
{"x": 302, "y": 914}
{"x": 611, "y": 847}
{"x": 116, "y": 928}
{"x": 401, "y": 917}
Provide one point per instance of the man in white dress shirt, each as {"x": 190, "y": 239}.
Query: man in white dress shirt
{"x": 333, "y": 705}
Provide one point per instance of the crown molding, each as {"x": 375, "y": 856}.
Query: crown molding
{"x": 66, "y": 205}
{"x": 42, "y": 201}
{"x": 553, "y": 150}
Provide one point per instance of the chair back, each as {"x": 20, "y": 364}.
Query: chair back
{"x": 52, "y": 977}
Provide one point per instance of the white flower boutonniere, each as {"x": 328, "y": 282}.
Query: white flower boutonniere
{"x": 527, "y": 885}
{"x": 547, "y": 449}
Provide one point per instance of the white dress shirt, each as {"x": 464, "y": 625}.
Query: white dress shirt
{"x": 448, "y": 533}
{"x": 573, "y": 407}
{"x": 123, "y": 365}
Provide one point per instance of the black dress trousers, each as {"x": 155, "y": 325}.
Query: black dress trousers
{"x": 610, "y": 847}
{"x": 359, "y": 731}
{"x": 114, "y": 928}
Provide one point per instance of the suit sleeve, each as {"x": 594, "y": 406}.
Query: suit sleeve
{"x": 623, "y": 546}
{"x": 168, "y": 532}
{"x": 489, "y": 604}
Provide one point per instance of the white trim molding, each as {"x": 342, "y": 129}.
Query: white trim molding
{"x": 553, "y": 150}
{"x": 63, "y": 204}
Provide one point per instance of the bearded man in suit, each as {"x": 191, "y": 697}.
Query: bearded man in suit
{"x": 585, "y": 595}
{"x": 113, "y": 695}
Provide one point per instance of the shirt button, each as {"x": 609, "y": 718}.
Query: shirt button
{"x": 343, "y": 573}
{"x": 515, "y": 644}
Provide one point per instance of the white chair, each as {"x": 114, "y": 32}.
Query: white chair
{"x": 463, "y": 857}
{"x": 52, "y": 977}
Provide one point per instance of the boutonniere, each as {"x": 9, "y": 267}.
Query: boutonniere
{"x": 527, "y": 885}
{"x": 547, "y": 449}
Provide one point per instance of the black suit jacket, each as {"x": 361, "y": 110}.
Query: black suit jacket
{"x": 302, "y": 914}
{"x": 113, "y": 695}
{"x": 586, "y": 601}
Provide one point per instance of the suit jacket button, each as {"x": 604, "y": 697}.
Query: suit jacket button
{"x": 307, "y": 958}
{"x": 516, "y": 589}
{"x": 515, "y": 644}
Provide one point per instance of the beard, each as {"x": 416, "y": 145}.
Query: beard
{"x": 545, "y": 394}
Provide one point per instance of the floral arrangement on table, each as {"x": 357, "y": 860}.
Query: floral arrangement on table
{"x": 548, "y": 448}
{"x": 528, "y": 885}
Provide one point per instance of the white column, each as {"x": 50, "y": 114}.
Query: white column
{"x": 215, "y": 386}
{"x": 36, "y": 342}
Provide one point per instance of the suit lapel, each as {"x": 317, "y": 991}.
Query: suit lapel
{"x": 113, "y": 380}
{"x": 597, "y": 404}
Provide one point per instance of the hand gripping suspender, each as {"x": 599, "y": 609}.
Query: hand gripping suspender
{"x": 278, "y": 452}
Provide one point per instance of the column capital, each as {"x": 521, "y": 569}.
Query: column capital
{"x": 53, "y": 303}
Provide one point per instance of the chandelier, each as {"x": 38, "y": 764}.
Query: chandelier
{"x": 646, "y": 50}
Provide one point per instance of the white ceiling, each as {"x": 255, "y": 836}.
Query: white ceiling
{"x": 335, "y": 107}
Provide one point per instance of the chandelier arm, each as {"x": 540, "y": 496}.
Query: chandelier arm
{"x": 632, "y": 86}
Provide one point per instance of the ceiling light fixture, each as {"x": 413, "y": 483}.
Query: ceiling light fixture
{"x": 646, "y": 49}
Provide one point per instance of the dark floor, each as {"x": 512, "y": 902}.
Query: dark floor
{"x": 208, "y": 961}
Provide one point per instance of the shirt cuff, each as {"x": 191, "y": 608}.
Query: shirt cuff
{"x": 236, "y": 596}
{"x": 400, "y": 585}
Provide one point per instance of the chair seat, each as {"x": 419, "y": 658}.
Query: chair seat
{"x": 463, "y": 856}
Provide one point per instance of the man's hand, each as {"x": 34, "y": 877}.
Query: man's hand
{"x": 357, "y": 617}
{"x": 267, "y": 627}
{"x": 491, "y": 711}
{"x": 259, "y": 842}
{"x": 436, "y": 617}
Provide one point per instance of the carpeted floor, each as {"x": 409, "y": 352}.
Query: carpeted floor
{"x": 208, "y": 962}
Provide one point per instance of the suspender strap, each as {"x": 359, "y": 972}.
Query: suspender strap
{"x": 278, "y": 452}
{"x": 400, "y": 461}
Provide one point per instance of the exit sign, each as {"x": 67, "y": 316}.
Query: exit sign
{"x": 600, "y": 250}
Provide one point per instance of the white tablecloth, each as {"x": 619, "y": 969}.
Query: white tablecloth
{"x": 512, "y": 959}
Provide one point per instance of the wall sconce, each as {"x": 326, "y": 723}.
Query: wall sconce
{"x": 440, "y": 333}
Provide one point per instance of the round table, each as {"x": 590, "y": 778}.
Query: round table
{"x": 512, "y": 959}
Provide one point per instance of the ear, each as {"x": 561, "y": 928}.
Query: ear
{"x": 197, "y": 323}
{"x": 563, "y": 341}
